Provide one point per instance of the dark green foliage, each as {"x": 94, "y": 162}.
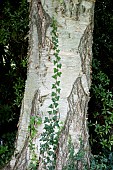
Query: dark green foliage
{"x": 7, "y": 149}
{"x": 103, "y": 36}
{"x": 101, "y": 120}
{"x": 101, "y": 103}
{"x": 102, "y": 162}
{"x": 13, "y": 57}
{"x": 101, "y": 115}
{"x": 13, "y": 67}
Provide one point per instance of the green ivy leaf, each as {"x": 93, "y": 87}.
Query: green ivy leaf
{"x": 57, "y": 98}
{"x": 58, "y": 58}
{"x": 54, "y": 100}
{"x": 58, "y": 90}
{"x": 55, "y": 70}
{"x": 54, "y": 33}
{"x": 58, "y": 83}
{"x": 54, "y": 111}
{"x": 59, "y": 65}
{"x": 50, "y": 112}
{"x": 57, "y": 123}
{"x": 56, "y": 40}
{"x": 46, "y": 119}
{"x": 56, "y": 55}
{"x": 57, "y": 50}
{"x": 46, "y": 127}
{"x": 51, "y": 106}
{"x": 55, "y": 62}
{"x": 55, "y": 76}
{"x": 53, "y": 86}
{"x": 53, "y": 94}
{"x": 59, "y": 74}
{"x": 55, "y": 47}
{"x": 56, "y": 104}
{"x": 55, "y": 118}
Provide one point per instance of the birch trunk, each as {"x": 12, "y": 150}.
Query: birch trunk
{"x": 75, "y": 26}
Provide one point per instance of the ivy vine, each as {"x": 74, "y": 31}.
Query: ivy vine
{"x": 34, "y": 122}
{"x": 50, "y": 135}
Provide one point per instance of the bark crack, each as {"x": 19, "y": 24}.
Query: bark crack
{"x": 75, "y": 116}
{"x": 42, "y": 21}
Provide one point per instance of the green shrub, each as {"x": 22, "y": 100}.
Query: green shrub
{"x": 7, "y": 148}
{"x": 14, "y": 19}
{"x": 101, "y": 118}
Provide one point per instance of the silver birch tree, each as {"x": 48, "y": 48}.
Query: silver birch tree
{"x": 74, "y": 22}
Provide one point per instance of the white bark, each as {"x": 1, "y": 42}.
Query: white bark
{"x": 75, "y": 26}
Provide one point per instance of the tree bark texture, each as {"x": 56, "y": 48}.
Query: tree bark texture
{"x": 75, "y": 27}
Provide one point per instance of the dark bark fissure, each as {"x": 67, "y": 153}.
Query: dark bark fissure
{"x": 84, "y": 49}
{"x": 75, "y": 107}
{"x": 42, "y": 21}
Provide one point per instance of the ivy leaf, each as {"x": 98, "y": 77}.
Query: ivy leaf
{"x": 53, "y": 86}
{"x": 56, "y": 55}
{"x": 56, "y": 45}
{"x": 55, "y": 62}
{"x": 57, "y": 50}
{"x": 54, "y": 111}
{"x": 54, "y": 33}
{"x": 53, "y": 94}
{"x": 59, "y": 74}
{"x": 58, "y": 58}
{"x": 59, "y": 65}
{"x": 51, "y": 106}
{"x": 55, "y": 70}
{"x": 55, "y": 118}
{"x": 57, "y": 98}
{"x": 53, "y": 38}
{"x": 58, "y": 90}
{"x": 56, "y": 104}
{"x": 54, "y": 100}
{"x": 58, "y": 83}
{"x": 54, "y": 48}
{"x": 50, "y": 112}
{"x": 55, "y": 76}
{"x": 56, "y": 40}
{"x": 50, "y": 153}
{"x": 56, "y": 123}
{"x": 47, "y": 119}
{"x": 46, "y": 127}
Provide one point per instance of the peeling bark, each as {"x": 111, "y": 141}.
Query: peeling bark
{"x": 75, "y": 26}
